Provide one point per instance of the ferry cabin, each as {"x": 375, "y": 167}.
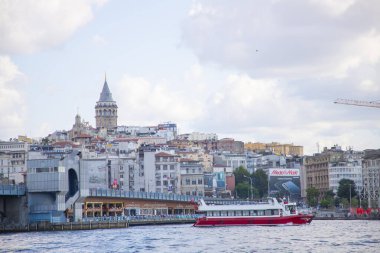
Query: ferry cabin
{"x": 259, "y": 209}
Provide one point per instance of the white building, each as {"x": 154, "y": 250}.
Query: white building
{"x": 13, "y": 156}
{"x": 345, "y": 170}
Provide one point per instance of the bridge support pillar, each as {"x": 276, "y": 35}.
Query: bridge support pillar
{"x": 78, "y": 215}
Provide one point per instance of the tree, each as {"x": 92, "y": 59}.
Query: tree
{"x": 240, "y": 173}
{"x": 329, "y": 194}
{"x": 344, "y": 189}
{"x": 326, "y": 203}
{"x": 242, "y": 190}
{"x": 312, "y": 195}
{"x": 260, "y": 182}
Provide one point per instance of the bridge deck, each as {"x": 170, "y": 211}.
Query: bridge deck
{"x": 12, "y": 190}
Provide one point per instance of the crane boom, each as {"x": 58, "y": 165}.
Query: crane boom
{"x": 357, "y": 103}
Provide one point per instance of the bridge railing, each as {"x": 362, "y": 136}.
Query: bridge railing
{"x": 12, "y": 190}
{"x": 142, "y": 195}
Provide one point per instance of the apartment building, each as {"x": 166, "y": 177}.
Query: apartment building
{"x": 13, "y": 156}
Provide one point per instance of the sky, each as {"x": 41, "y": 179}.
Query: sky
{"x": 254, "y": 70}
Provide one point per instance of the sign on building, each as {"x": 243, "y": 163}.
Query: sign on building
{"x": 285, "y": 183}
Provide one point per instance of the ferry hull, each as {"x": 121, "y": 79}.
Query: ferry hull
{"x": 243, "y": 221}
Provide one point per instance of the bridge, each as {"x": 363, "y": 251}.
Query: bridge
{"x": 12, "y": 190}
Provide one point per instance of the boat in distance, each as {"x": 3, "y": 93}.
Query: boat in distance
{"x": 272, "y": 212}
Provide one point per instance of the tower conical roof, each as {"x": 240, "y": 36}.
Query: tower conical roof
{"x": 106, "y": 95}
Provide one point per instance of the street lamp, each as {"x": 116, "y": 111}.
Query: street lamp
{"x": 350, "y": 198}
{"x": 250, "y": 179}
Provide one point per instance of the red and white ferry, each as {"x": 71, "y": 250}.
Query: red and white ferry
{"x": 271, "y": 213}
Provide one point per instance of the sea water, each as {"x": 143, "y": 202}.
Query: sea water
{"x": 319, "y": 236}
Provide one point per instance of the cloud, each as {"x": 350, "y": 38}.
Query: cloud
{"x": 147, "y": 103}
{"x": 12, "y": 103}
{"x": 294, "y": 38}
{"x": 291, "y": 60}
{"x": 28, "y": 26}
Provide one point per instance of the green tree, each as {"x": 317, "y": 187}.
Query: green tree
{"x": 260, "y": 182}
{"x": 240, "y": 173}
{"x": 329, "y": 194}
{"x": 326, "y": 203}
{"x": 242, "y": 190}
{"x": 344, "y": 189}
{"x": 312, "y": 195}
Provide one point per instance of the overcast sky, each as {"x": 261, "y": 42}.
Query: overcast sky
{"x": 253, "y": 70}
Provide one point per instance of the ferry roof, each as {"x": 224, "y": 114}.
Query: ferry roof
{"x": 272, "y": 204}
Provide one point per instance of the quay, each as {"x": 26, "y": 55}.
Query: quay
{"x": 101, "y": 223}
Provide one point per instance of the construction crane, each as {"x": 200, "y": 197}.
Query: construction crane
{"x": 371, "y": 187}
{"x": 357, "y": 102}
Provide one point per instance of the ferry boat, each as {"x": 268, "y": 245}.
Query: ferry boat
{"x": 270, "y": 213}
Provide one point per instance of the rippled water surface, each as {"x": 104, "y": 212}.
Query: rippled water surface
{"x": 319, "y": 236}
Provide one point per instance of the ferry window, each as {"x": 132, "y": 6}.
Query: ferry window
{"x": 274, "y": 212}
{"x": 209, "y": 213}
{"x": 216, "y": 213}
{"x": 230, "y": 213}
{"x": 267, "y": 212}
{"x": 246, "y": 213}
{"x": 223, "y": 213}
{"x": 260, "y": 212}
{"x": 238, "y": 213}
{"x": 253, "y": 213}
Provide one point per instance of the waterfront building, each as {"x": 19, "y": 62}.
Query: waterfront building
{"x": 317, "y": 168}
{"x": 160, "y": 170}
{"x": 192, "y": 178}
{"x": 13, "y": 157}
{"x": 349, "y": 168}
{"x": 167, "y": 173}
{"x": 106, "y": 110}
{"x": 371, "y": 177}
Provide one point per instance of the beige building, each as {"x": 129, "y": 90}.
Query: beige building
{"x": 277, "y": 148}
{"x": 192, "y": 178}
{"x": 204, "y": 158}
{"x": 317, "y": 168}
